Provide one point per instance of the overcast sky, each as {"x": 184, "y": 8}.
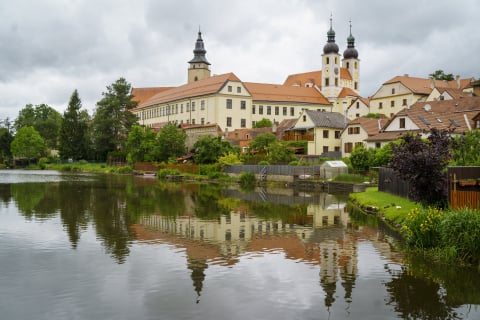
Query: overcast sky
{"x": 49, "y": 48}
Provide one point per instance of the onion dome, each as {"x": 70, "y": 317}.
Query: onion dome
{"x": 350, "y": 52}
{"x": 330, "y": 46}
{"x": 199, "y": 51}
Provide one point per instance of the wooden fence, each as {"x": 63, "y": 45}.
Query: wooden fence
{"x": 464, "y": 187}
{"x": 388, "y": 181}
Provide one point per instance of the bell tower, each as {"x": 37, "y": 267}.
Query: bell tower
{"x": 351, "y": 61}
{"x": 199, "y": 66}
{"x": 330, "y": 65}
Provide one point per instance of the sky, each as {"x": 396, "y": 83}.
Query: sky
{"x": 49, "y": 48}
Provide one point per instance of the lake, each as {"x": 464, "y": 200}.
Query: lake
{"x": 87, "y": 246}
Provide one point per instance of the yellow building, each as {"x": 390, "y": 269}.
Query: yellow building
{"x": 232, "y": 104}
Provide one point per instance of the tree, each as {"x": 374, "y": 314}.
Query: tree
{"x": 280, "y": 153}
{"x": 261, "y": 142}
{"x": 141, "y": 144}
{"x": 264, "y": 123}
{"x": 113, "y": 119}
{"x": 440, "y": 75}
{"x": 210, "y": 149}
{"x": 44, "y": 119}
{"x": 171, "y": 142}
{"x": 422, "y": 163}
{"x": 73, "y": 131}
{"x": 28, "y": 144}
{"x": 6, "y": 138}
{"x": 465, "y": 149}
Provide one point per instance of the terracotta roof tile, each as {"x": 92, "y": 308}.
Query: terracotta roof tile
{"x": 370, "y": 125}
{"x": 283, "y": 93}
{"x": 425, "y": 85}
{"x": 198, "y": 88}
{"x": 141, "y": 95}
{"x": 315, "y": 77}
{"x": 347, "y": 92}
{"x": 388, "y": 135}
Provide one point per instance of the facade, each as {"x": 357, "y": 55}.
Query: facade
{"x": 401, "y": 92}
{"x": 358, "y": 131}
{"x": 358, "y": 108}
{"x": 322, "y": 130}
{"x": 233, "y": 104}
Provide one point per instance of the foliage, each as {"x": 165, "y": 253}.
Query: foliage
{"x": 279, "y": 153}
{"x": 171, "y": 142}
{"x": 112, "y": 119}
{"x": 362, "y": 159}
{"x": 28, "y": 144}
{"x": 264, "y": 163}
{"x": 421, "y": 228}
{"x": 210, "y": 149}
{"x": 422, "y": 164}
{"x": 247, "y": 179}
{"x": 460, "y": 233}
{"x": 440, "y": 75}
{"x": 465, "y": 150}
{"x": 44, "y": 119}
{"x": 163, "y": 173}
{"x": 6, "y": 139}
{"x": 230, "y": 159}
{"x": 141, "y": 144}
{"x": 261, "y": 142}
{"x": 264, "y": 123}
{"x": 297, "y": 144}
{"x": 372, "y": 115}
{"x": 73, "y": 139}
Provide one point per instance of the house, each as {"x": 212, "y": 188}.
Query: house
{"x": 458, "y": 116}
{"x": 195, "y": 132}
{"x": 321, "y": 129}
{"x": 403, "y": 91}
{"x": 233, "y": 104}
{"x": 242, "y": 137}
{"x": 358, "y": 108}
{"x": 358, "y": 131}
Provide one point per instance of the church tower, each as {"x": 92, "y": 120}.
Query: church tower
{"x": 351, "y": 62}
{"x": 330, "y": 66}
{"x": 199, "y": 66}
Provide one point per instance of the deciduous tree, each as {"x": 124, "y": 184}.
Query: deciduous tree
{"x": 210, "y": 149}
{"x": 171, "y": 142}
{"x": 28, "y": 144}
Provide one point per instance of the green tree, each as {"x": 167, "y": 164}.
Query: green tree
{"x": 261, "y": 142}
{"x": 440, "y": 75}
{"x": 264, "y": 123}
{"x": 360, "y": 158}
{"x": 28, "y": 144}
{"x": 112, "y": 120}
{"x": 44, "y": 119}
{"x": 6, "y": 139}
{"x": 210, "y": 149}
{"x": 280, "y": 153}
{"x": 171, "y": 142}
{"x": 465, "y": 149}
{"x": 73, "y": 131}
{"x": 141, "y": 144}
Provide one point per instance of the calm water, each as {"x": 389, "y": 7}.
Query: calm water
{"x": 99, "y": 247}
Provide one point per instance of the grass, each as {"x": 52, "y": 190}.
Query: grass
{"x": 351, "y": 178}
{"x": 87, "y": 167}
{"x": 392, "y": 207}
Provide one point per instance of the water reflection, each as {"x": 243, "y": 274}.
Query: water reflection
{"x": 217, "y": 229}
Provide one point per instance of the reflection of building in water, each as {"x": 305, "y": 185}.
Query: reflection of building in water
{"x": 326, "y": 240}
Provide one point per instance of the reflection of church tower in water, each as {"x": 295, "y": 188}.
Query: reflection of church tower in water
{"x": 198, "y": 267}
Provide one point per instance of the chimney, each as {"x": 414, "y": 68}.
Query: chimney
{"x": 405, "y": 75}
{"x": 432, "y": 83}
{"x": 458, "y": 81}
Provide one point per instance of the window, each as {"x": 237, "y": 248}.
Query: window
{"x": 325, "y": 134}
{"x": 325, "y": 149}
{"x": 253, "y": 124}
{"x": 358, "y": 144}
{"x": 176, "y": 109}
{"x": 357, "y": 115}
{"x": 260, "y": 109}
{"x": 378, "y": 145}
{"x": 243, "y": 123}
{"x": 253, "y": 109}
{"x": 392, "y": 103}
{"x": 337, "y": 149}
{"x": 229, "y": 103}
{"x": 356, "y": 65}
{"x": 348, "y": 65}
{"x": 404, "y": 102}
{"x": 181, "y": 108}
{"x": 193, "y": 121}
{"x": 229, "y": 88}
{"x": 380, "y": 105}
{"x": 358, "y": 105}
{"x": 269, "y": 110}
{"x": 336, "y": 61}
{"x": 202, "y": 121}
{"x": 402, "y": 123}
{"x": 328, "y": 60}
{"x": 188, "y": 107}
{"x": 327, "y": 82}
{"x": 193, "y": 106}
{"x": 229, "y": 121}
{"x": 355, "y": 85}
{"x": 337, "y": 134}
{"x": 284, "y": 111}
{"x": 202, "y": 105}
{"x": 277, "y": 110}
{"x": 239, "y": 89}
{"x": 336, "y": 82}
{"x": 292, "y": 111}
{"x": 393, "y": 90}
{"x": 347, "y": 147}
{"x": 243, "y": 105}
{"x": 353, "y": 130}
{"x": 304, "y": 118}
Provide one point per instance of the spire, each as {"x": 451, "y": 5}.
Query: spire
{"x": 350, "y": 52}
{"x": 199, "y": 51}
{"x": 331, "y": 46}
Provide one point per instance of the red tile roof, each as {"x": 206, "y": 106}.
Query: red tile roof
{"x": 141, "y": 95}
{"x": 425, "y": 85}
{"x": 371, "y": 125}
{"x": 282, "y": 93}
{"x": 315, "y": 77}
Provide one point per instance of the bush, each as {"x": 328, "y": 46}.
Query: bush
{"x": 421, "y": 228}
{"x": 125, "y": 170}
{"x": 42, "y": 163}
{"x": 263, "y": 163}
{"x": 293, "y": 163}
{"x": 247, "y": 179}
{"x": 460, "y": 233}
{"x": 163, "y": 173}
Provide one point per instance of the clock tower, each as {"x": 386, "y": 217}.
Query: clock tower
{"x": 330, "y": 66}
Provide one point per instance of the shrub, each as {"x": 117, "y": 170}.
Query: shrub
{"x": 163, "y": 173}
{"x": 350, "y": 178}
{"x": 42, "y": 163}
{"x": 247, "y": 179}
{"x": 460, "y": 233}
{"x": 263, "y": 163}
{"x": 293, "y": 163}
{"x": 125, "y": 169}
{"x": 421, "y": 228}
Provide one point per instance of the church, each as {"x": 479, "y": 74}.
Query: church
{"x": 232, "y": 104}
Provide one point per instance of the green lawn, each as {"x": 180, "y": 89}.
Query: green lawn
{"x": 392, "y": 207}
